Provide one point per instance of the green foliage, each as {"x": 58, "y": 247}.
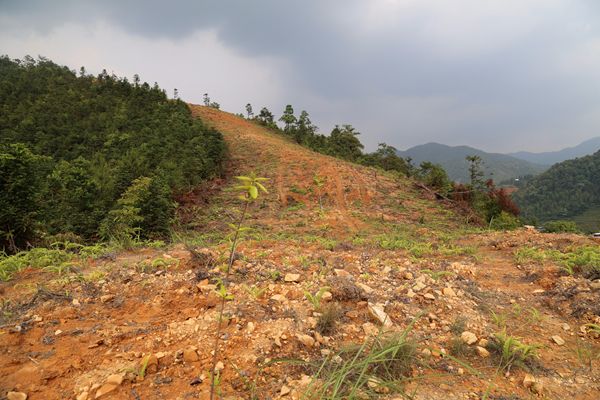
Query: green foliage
{"x": 21, "y": 188}
{"x": 344, "y": 143}
{"x": 561, "y": 226}
{"x": 315, "y": 299}
{"x": 288, "y": 118}
{"x": 512, "y": 352}
{"x": 52, "y": 260}
{"x": 386, "y": 157}
{"x": 583, "y": 259}
{"x": 145, "y": 206}
{"x": 565, "y": 190}
{"x": 434, "y": 176}
{"x": 505, "y": 222}
{"x": 254, "y": 291}
{"x": 379, "y": 366}
{"x": 476, "y": 172}
{"x": 72, "y": 146}
{"x": 250, "y": 187}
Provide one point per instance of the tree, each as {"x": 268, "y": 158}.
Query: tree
{"x": 344, "y": 143}
{"x": 434, "y": 176}
{"x": 288, "y": 118}
{"x": 21, "y": 192}
{"x": 206, "y": 99}
{"x": 476, "y": 172}
{"x": 304, "y": 129}
{"x": 249, "y": 111}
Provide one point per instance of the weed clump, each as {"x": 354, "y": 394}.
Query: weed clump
{"x": 512, "y": 352}
{"x": 330, "y": 315}
{"x": 382, "y": 365}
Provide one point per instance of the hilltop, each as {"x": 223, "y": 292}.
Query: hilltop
{"x": 499, "y": 167}
{"x": 585, "y": 148}
{"x": 374, "y": 251}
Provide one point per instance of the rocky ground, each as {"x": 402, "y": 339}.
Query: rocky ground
{"x": 360, "y": 258}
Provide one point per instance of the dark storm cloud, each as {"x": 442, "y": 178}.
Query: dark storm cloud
{"x": 490, "y": 80}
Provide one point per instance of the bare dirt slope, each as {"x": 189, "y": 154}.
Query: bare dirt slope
{"x": 140, "y": 324}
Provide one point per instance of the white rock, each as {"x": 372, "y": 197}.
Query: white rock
{"x": 16, "y": 396}
{"x": 278, "y": 298}
{"x": 341, "y": 272}
{"x": 558, "y": 340}
{"x": 367, "y": 289}
{"x": 377, "y": 312}
{"x": 483, "y": 353}
{"x": 292, "y": 278}
{"x": 468, "y": 337}
{"x": 284, "y": 391}
{"x": 528, "y": 381}
{"x": 115, "y": 379}
{"x": 369, "y": 329}
{"x": 306, "y": 340}
{"x": 83, "y": 396}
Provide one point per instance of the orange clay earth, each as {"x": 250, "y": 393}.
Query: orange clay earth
{"x": 140, "y": 324}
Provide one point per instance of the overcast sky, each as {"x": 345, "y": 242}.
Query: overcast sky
{"x": 502, "y": 75}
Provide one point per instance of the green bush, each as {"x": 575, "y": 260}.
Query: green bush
{"x": 21, "y": 188}
{"x": 561, "y": 226}
{"x": 505, "y": 222}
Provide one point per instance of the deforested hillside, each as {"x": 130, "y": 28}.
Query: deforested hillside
{"x": 564, "y": 191}
{"x": 93, "y": 156}
{"x": 345, "y": 282}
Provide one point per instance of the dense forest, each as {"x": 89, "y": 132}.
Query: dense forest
{"x": 564, "y": 191}
{"x": 93, "y": 156}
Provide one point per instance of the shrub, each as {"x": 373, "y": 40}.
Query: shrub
{"x": 505, "y": 222}
{"x": 561, "y": 226}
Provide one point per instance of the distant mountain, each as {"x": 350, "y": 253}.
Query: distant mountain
{"x": 496, "y": 166}
{"x": 567, "y": 190}
{"x": 552, "y": 157}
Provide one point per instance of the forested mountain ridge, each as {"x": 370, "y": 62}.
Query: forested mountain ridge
{"x": 452, "y": 158}
{"x": 585, "y": 148}
{"x": 565, "y": 190}
{"x": 93, "y": 155}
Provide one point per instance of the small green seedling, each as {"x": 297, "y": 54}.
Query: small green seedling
{"x": 250, "y": 187}
{"x": 315, "y": 299}
{"x": 254, "y": 291}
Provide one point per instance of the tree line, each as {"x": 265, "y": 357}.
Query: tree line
{"x": 485, "y": 202}
{"x": 94, "y": 156}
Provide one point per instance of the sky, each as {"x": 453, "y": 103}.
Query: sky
{"x": 499, "y": 75}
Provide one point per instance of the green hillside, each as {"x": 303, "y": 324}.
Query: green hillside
{"x": 497, "y": 166}
{"x": 93, "y": 155}
{"x": 566, "y": 190}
